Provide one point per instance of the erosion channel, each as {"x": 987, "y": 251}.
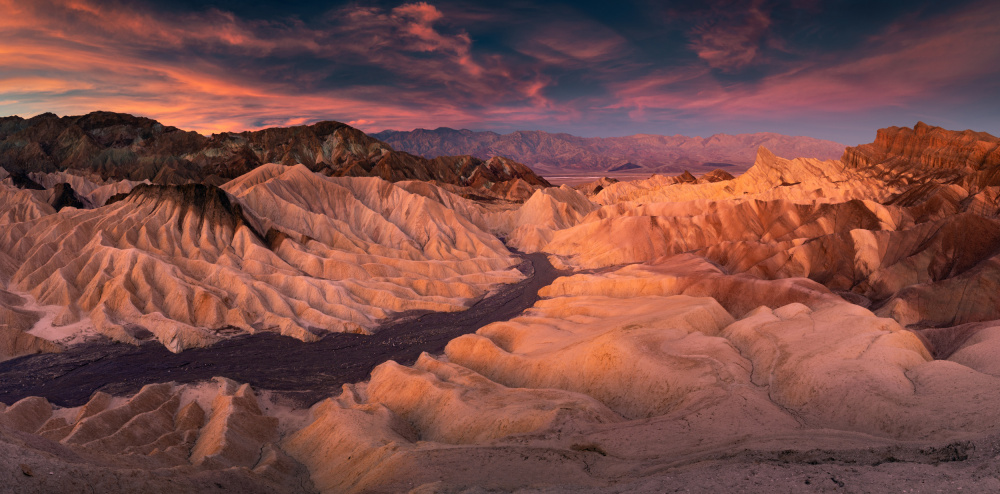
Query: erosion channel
{"x": 304, "y": 372}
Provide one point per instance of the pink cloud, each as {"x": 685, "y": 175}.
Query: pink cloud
{"x": 574, "y": 42}
{"x": 732, "y": 38}
{"x": 75, "y": 56}
{"x": 417, "y": 21}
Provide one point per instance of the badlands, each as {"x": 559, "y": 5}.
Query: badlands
{"x": 807, "y": 326}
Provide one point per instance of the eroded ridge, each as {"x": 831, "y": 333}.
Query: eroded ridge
{"x": 281, "y": 249}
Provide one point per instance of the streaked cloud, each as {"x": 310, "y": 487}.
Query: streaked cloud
{"x": 554, "y": 66}
{"x": 574, "y": 43}
{"x": 213, "y": 71}
{"x": 910, "y": 63}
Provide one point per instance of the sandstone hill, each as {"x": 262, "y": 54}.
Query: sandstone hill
{"x": 558, "y": 153}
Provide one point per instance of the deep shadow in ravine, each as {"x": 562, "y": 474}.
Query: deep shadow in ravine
{"x": 304, "y": 372}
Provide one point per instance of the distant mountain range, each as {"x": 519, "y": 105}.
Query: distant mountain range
{"x": 120, "y": 146}
{"x": 549, "y": 153}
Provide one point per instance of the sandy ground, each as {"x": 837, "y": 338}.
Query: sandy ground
{"x": 67, "y": 335}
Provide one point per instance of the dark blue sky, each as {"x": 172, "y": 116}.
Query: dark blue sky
{"x": 833, "y": 70}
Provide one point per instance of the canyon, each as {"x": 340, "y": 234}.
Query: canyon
{"x": 310, "y": 310}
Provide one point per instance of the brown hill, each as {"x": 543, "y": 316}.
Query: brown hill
{"x": 120, "y": 146}
{"x": 548, "y": 153}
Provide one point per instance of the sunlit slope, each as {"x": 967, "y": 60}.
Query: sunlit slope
{"x": 907, "y": 225}
{"x": 284, "y": 249}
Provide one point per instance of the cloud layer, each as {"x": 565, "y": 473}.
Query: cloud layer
{"x": 721, "y": 67}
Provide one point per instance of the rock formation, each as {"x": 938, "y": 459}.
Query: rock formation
{"x": 805, "y": 320}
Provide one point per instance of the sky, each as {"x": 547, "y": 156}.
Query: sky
{"x": 831, "y": 70}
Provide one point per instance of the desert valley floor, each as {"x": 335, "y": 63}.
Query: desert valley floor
{"x": 328, "y": 314}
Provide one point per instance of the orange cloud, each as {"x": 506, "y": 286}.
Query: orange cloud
{"x": 74, "y": 56}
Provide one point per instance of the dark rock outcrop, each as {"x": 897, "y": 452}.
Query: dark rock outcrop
{"x": 63, "y": 195}
{"x": 624, "y": 166}
{"x": 207, "y": 203}
{"x": 22, "y": 181}
{"x": 121, "y": 146}
{"x": 717, "y": 175}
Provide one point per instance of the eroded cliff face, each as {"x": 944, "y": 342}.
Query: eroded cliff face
{"x": 928, "y": 152}
{"x": 111, "y": 144}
